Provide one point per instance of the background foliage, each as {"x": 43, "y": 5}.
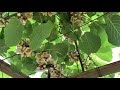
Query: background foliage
{"x": 72, "y": 39}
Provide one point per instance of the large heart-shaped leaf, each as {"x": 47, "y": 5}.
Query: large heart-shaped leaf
{"x": 99, "y": 29}
{"x": 113, "y": 29}
{"x": 105, "y": 53}
{"x": 39, "y": 34}
{"x": 60, "y": 49}
{"x": 16, "y": 64}
{"x": 13, "y": 32}
{"x": 90, "y": 43}
{"x": 3, "y": 47}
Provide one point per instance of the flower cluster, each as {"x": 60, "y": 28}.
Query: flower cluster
{"x": 24, "y": 49}
{"x": 76, "y": 18}
{"x": 73, "y": 56}
{"x": 23, "y": 17}
{"x": 48, "y": 13}
{"x": 70, "y": 40}
{"x": 55, "y": 72}
{"x": 2, "y": 23}
{"x": 45, "y": 61}
{"x": 42, "y": 59}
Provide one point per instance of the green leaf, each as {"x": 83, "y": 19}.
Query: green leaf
{"x": 28, "y": 30}
{"x": 75, "y": 35}
{"x": 89, "y": 43}
{"x": 99, "y": 29}
{"x": 85, "y": 28}
{"x": 38, "y": 17}
{"x": 113, "y": 29}
{"x": 2, "y": 34}
{"x": 61, "y": 49}
{"x": 108, "y": 76}
{"x": 67, "y": 30}
{"x": 29, "y": 64}
{"x": 53, "y": 35}
{"x": 90, "y": 14}
{"x": 102, "y": 20}
{"x": 78, "y": 33}
{"x": 39, "y": 34}
{"x": 48, "y": 46}
{"x": 54, "y": 55}
{"x": 13, "y": 32}
{"x": 3, "y": 47}
{"x": 102, "y": 34}
{"x": 47, "y": 18}
{"x": 3, "y": 75}
{"x": 95, "y": 28}
{"x": 16, "y": 63}
{"x": 71, "y": 48}
{"x": 35, "y": 25}
{"x": 58, "y": 51}
{"x": 14, "y": 58}
{"x": 67, "y": 62}
{"x": 73, "y": 70}
{"x": 105, "y": 53}
{"x": 44, "y": 75}
{"x": 27, "y": 72}
{"x": 98, "y": 62}
{"x": 64, "y": 17}
{"x": 16, "y": 68}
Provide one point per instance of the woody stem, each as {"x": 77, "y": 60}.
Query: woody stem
{"x": 80, "y": 59}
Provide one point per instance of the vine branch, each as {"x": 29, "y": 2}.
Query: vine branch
{"x": 49, "y": 73}
{"x": 8, "y": 17}
{"x": 51, "y": 65}
{"x": 81, "y": 26}
{"x": 9, "y": 57}
{"x": 80, "y": 59}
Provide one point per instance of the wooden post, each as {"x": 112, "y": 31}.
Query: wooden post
{"x": 4, "y": 67}
{"x": 100, "y": 71}
{"x": 93, "y": 73}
